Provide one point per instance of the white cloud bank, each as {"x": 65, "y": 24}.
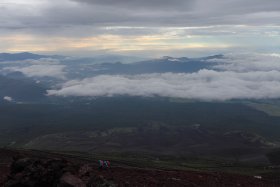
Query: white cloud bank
{"x": 203, "y": 85}
{"x": 247, "y": 62}
{"x": 40, "y": 70}
{"x": 44, "y": 67}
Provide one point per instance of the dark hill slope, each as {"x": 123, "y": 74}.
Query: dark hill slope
{"x": 21, "y": 90}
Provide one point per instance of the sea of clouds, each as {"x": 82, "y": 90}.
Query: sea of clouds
{"x": 242, "y": 76}
{"x": 235, "y": 76}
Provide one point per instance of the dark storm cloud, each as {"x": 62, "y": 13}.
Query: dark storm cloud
{"x": 236, "y": 6}
{"x": 65, "y": 13}
{"x": 151, "y": 4}
{"x": 192, "y": 12}
{"x": 31, "y": 24}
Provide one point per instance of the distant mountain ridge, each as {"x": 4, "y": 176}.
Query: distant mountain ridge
{"x": 160, "y": 65}
{"x": 24, "y": 56}
{"x": 19, "y": 56}
{"x": 101, "y": 58}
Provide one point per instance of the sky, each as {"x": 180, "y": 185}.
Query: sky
{"x": 149, "y": 28}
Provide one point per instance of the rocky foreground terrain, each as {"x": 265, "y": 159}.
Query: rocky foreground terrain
{"x": 42, "y": 169}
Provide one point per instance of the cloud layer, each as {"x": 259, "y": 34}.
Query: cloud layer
{"x": 234, "y": 76}
{"x": 133, "y": 26}
{"x": 248, "y": 62}
{"x": 203, "y": 85}
{"x": 37, "y": 68}
{"x": 51, "y": 13}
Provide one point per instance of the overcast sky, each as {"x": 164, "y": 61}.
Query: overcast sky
{"x": 139, "y": 27}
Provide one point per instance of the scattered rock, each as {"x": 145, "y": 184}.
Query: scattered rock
{"x": 20, "y": 164}
{"x": 27, "y": 172}
{"x": 69, "y": 180}
{"x": 85, "y": 170}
